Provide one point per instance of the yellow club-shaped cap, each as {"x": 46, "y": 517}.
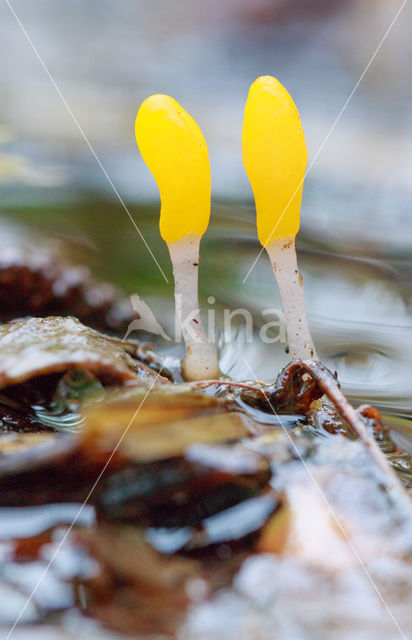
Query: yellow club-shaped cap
{"x": 174, "y": 149}
{"x": 275, "y": 157}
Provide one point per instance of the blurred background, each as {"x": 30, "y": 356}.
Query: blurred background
{"x": 356, "y": 240}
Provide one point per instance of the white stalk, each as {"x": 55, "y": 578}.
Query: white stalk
{"x": 201, "y": 361}
{"x": 282, "y": 254}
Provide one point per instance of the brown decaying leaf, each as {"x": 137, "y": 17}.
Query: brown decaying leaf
{"x": 36, "y": 281}
{"x": 168, "y": 421}
{"x": 39, "y": 346}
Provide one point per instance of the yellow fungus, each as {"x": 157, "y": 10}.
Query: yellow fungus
{"x": 174, "y": 149}
{"x": 275, "y": 157}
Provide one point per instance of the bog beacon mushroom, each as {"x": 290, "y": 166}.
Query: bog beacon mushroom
{"x": 174, "y": 149}
{"x": 275, "y": 157}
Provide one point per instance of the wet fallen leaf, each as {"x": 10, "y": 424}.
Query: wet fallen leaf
{"x": 161, "y": 424}
{"x": 40, "y": 346}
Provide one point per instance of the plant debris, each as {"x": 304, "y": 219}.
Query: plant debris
{"x": 239, "y": 503}
{"x": 36, "y": 281}
{"x": 50, "y": 366}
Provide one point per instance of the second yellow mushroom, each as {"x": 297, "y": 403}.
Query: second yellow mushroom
{"x": 275, "y": 157}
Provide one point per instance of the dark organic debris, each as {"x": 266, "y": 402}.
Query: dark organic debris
{"x": 50, "y": 366}
{"x": 399, "y": 456}
{"x": 301, "y": 383}
{"x": 178, "y": 492}
{"x": 165, "y": 454}
{"x": 180, "y": 471}
{"x": 40, "y": 346}
{"x": 35, "y": 281}
{"x": 163, "y": 423}
{"x": 193, "y": 479}
{"x": 328, "y": 384}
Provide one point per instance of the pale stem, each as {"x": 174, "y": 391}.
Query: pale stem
{"x": 282, "y": 254}
{"x": 201, "y": 361}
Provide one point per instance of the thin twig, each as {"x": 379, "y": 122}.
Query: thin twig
{"x": 327, "y": 382}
